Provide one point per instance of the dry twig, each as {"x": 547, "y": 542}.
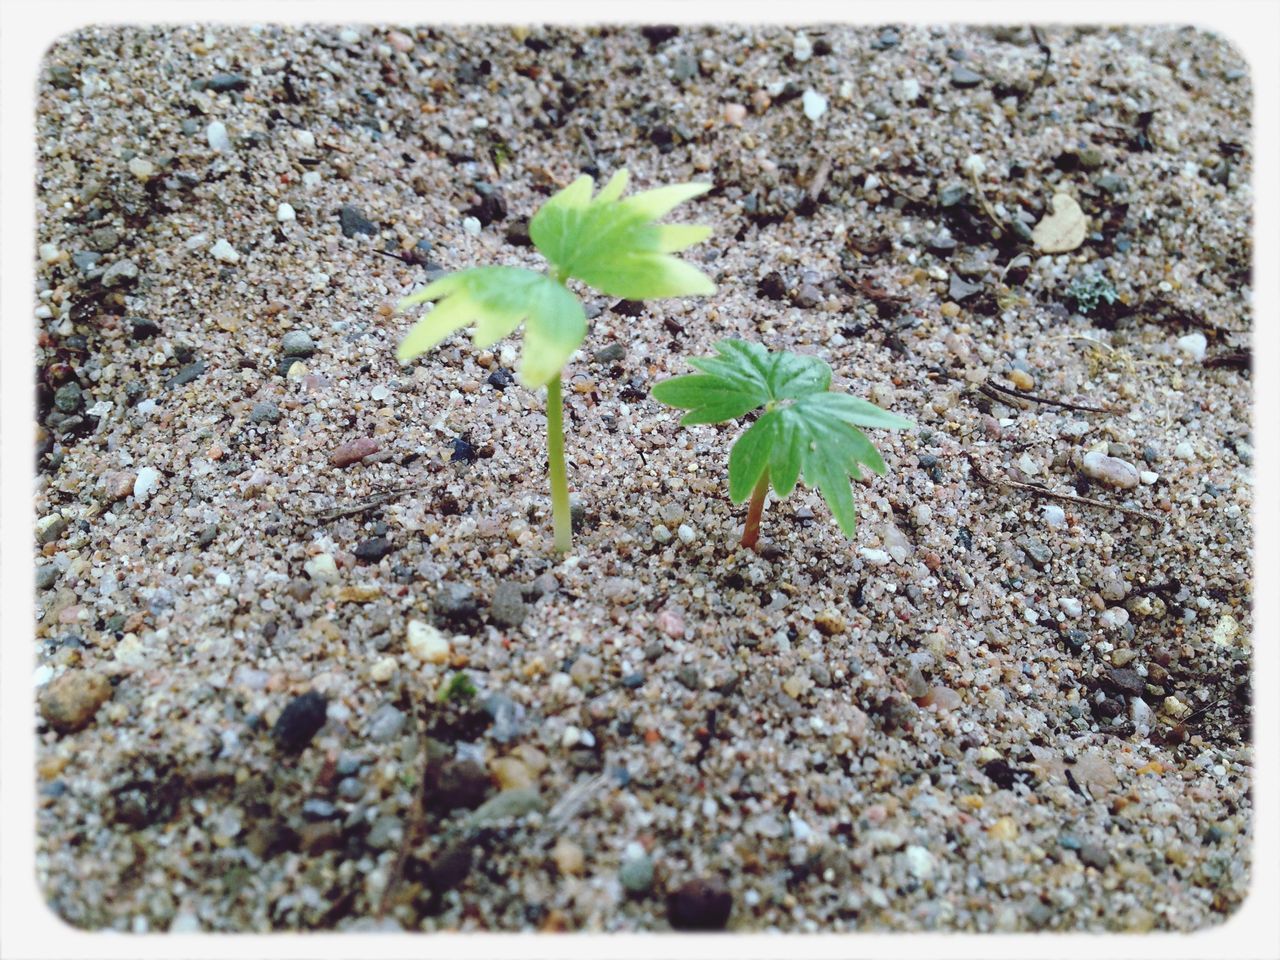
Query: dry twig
{"x": 1036, "y": 490}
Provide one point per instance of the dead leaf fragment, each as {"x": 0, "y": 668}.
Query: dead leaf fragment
{"x": 1062, "y": 230}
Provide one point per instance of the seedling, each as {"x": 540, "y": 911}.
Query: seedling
{"x": 805, "y": 428}
{"x": 609, "y": 243}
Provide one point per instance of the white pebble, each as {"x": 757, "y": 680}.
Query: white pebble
{"x": 224, "y": 251}
{"x": 142, "y": 169}
{"x": 321, "y": 568}
{"x": 44, "y": 673}
{"x": 427, "y": 643}
{"x": 570, "y": 736}
{"x": 815, "y": 104}
{"x": 921, "y": 514}
{"x": 198, "y": 242}
{"x": 1028, "y": 465}
{"x": 974, "y": 165}
{"x": 145, "y": 483}
{"x": 1148, "y": 477}
{"x": 49, "y": 252}
{"x": 801, "y": 48}
{"x": 216, "y": 134}
{"x": 919, "y": 862}
{"x": 471, "y": 226}
{"x": 661, "y": 534}
{"x": 686, "y": 533}
{"x": 877, "y": 558}
{"x": 1193, "y": 345}
{"x": 909, "y": 90}
{"x": 1114, "y": 617}
{"x": 379, "y": 393}
{"x": 311, "y": 178}
{"x": 1185, "y": 451}
{"x": 1112, "y": 471}
{"x": 285, "y": 213}
{"x": 1054, "y": 515}
{"x": 305, "y": 139}
{"x": 383, "y": 670}
{"x": 349, "y": 36}
{"x": 1071, "y": 606}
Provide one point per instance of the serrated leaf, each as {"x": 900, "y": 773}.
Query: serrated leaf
{"x": 806, "y": 430}
{"x": 497, "y": 299}
{"x": 614, "y": 244}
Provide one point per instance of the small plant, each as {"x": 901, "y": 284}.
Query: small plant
{"x": 805, "y": 428}
{"x": 609, "y": 243}
{"x": 1088, "y": 291}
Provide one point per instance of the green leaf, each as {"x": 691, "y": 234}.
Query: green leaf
{"x": 497, "y": 299}
{"x": 614, "y": 244}
{"x": 806, "y": 430}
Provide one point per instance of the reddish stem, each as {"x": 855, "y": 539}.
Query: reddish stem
{"x": 751, "y": 532}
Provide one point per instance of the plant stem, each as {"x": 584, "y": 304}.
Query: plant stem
{"x": 560, "y": 517}
{"x": 751, "y": 532}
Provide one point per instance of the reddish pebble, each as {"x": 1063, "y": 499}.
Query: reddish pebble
{"x": 943, "y": 698}
{"x": 353, "y": 451}
{"x": 671, "y": 623}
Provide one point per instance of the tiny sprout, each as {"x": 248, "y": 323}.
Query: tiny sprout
{"x": 609, "y": 243}
{"x": 805, "y": 428}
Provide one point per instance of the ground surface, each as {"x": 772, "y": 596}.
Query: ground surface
{"x": 992, "y": 710}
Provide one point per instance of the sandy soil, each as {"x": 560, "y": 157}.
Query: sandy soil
{"x": 992, "y": 710}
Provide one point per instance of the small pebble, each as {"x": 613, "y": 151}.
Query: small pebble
{"x": 636, "y": 874}
{"x": 216, "y": 134}
{"x": 1112, "y": 471}
{"x": 223, "y": 251}
{"x": 815, "y": 104}
{"x": 426, "y": 643}
{"x": 300, "y": 720}
{"x": 70, "y": 702}
{"x": 285, "y": 213}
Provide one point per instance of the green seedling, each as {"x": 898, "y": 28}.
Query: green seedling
{"x": 804, "y": 429}
{"x": 608, "y": 243}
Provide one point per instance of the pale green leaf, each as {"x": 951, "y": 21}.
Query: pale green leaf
{"x": 496, "y": 300}
{"x": 614, "y": 244}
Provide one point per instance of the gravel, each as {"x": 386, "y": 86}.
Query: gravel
{"x": 682, "y": 710}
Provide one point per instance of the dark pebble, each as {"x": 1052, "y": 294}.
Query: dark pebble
{"x": 62, "y": 77}
{"x": 265, "y": 412}
{"x": 517, "y": 233}
{"x": 887, "y": 39}
{"x": 144, "y": 329}
{"x": 455, "y": 601}
{"x": 317, "y": 838}
{"x": 299, "y": 721}
{"x": 501, "y": 378}
{"x": 610, "y": 354}
{"x": 1123, "y": 680}
{"x": 508, "y": 609}
{"x": 688, "y": 677}
{"x": 188, "y": 373}
{"x": 964, "y": 77}
{"x": 700, "y": 905}
{"x": 463, "y": 451}
{"x": 208, "y": 534}
{"x": 462, "y": 783}
{"x": 371, "y": 551}
{"x": 941, "y": 243}
{"x": 492, "y": 206}
{"x": 68, "y": 398}
{"x": 224, "y": 82}
{"x": 772, "y": 286}
{"x": 633, "y": 680}
{"x": 659, "y": 34}
{"x": 354, "y": 222}
{"x": 46, "y": 576}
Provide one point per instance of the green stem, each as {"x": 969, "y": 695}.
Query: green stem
{"x": 560, "y": 517}
{"x": 751, "y": 532}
